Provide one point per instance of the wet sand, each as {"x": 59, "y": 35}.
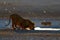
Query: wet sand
{"x": 9, "y": 34}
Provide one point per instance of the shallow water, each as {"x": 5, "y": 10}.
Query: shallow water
{"x": 55, "y": 23}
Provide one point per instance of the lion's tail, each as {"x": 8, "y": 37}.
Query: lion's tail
{"x": 8, "y": 22}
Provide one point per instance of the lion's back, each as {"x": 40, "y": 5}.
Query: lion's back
{"x": 16, "y": 18}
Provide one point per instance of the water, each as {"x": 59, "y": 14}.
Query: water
{"x": 4, "y": 22}
{"x": 28, "y": 35}
{"x": 55, "y": 23}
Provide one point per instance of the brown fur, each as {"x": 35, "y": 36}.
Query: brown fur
{"x": 22, "y": 23}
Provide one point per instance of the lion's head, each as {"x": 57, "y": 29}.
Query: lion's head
{"x": 28, "y": 25}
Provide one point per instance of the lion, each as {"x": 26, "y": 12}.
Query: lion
{"x": 28, "y": 24}
{"x": 20, "y": 23}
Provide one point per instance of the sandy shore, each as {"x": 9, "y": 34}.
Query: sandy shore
{"x": 29, "y": 32}
{"x": 27, "y": 35}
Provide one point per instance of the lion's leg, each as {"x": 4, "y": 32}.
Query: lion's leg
{"x": 16, "y": 25}
{"x": 13, "y": 26}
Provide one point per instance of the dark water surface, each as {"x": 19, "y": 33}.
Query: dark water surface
{"x": 55, "y": 23}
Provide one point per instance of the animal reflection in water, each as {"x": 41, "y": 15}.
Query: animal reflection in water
{"x": 46, "y": 23}
{"x": 20, "y": 23}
